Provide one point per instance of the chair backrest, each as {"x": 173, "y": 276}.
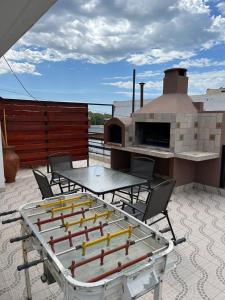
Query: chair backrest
{"x": 62, "y": 162}
{"x": 43, "y": 184}
{"x": 142, "y": 167}
{"x": 158, "y": 199}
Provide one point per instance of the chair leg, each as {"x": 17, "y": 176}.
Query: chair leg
{"x": 170, "y": 228}
{"x": 113, "y": 197}
{"x": 131, "y": 196}
{"x": 139, "y": 189}
{"x": 61, "y": 188}
{"x": 170, "y": 225}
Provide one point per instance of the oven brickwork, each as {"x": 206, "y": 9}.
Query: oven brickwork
{"x": 188, "y": 150}
{"x": 188, "y": 132}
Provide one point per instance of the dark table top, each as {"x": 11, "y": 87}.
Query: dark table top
{"x": 101, "y": 180}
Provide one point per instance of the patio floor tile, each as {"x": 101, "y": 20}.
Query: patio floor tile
{"x": 197, "y": 215}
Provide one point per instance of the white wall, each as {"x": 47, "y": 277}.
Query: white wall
{"x": 2, "y": 178}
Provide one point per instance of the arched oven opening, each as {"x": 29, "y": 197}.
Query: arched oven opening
{"x": 115, "y": 134}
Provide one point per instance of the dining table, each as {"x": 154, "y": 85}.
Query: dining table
{"x": 100, "y": 180}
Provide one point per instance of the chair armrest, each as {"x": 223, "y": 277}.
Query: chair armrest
{"x": 54, "y": 183}
{"x": 132, "y": 206}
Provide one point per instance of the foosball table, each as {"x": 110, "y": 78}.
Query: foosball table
{"x": 92, "y": 249}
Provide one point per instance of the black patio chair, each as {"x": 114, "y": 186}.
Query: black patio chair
{"x": 142, "y": 167}
{"x": 44, "y": 185}
{"x": 60, "y": 163}
{"x": 156, "y": 203}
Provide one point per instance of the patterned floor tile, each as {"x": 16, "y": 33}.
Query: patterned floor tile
{"x": 220, "y": 296}
{"x": 197, "y": 215}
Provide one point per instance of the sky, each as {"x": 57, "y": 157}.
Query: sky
{"x": 85, "y": 51}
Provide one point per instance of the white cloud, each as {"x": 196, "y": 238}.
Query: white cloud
{"x": 199, "y": 82}
{"x": 200, "y": 63}
{"x": 147, "y": 74}
{"x": 18, "y": 68}
{"x": 117, "y": 77}
{"x": 140, "y": 32}
{"x": 218, "y": 26}
{"x": 158, "y": 56}
{"x": 137, "y": 95}
{"x": 141, "y": 75}
{"x": 120, "y": 84}
{"x": 90, "y": 5}
{"x": 221, "y": 7}
{"x": 129, "y": 94}
{"x": 34, "y": 56}
{"x": 194, "y": 6}
{"x": 153, "y": 85}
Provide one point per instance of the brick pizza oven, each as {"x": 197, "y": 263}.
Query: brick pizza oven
{"x": 185, "y": 141}
{"x": 117, "y": 131}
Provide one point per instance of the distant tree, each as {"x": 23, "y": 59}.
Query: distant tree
{"x": 98, "y": 118}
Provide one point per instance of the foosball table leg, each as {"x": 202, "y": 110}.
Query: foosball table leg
{"x": 27, "y": 275}
{"x": 158, "y": 291}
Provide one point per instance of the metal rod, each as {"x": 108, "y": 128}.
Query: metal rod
{"x": 107, "y": 238}
{"x": 61, "y": 217}
{"x": 104, "y": 253}
{"x": 159, "y": 250}
{"x": 38, "y": 214}
{"x": 100, "y": 256}
{"x": 51, "y": 229}
{"x": 67, "y": 251}
{"x": 70, "y": 235}
{"x": 113, "y": 110}
{"x": 63, "y": 238}
{"x": 133, "y": 94}
{"x": 37, "y": 206}
{"x": 82, "y": 220}
{"x": 46, "y": 211}
{"x": 144, "y": 238}
{"x": 116, "y": 221}
{"x": 72, "y": 206}
{"x": 59, "y": 202}
{"x": 120, "y": 267}
{"x": 61, "y": 226}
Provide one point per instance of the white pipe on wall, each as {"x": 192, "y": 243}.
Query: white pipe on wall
{"x": 2, "y": 177}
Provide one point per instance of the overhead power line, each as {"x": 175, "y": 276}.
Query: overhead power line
{"x": 13, "y": 92}
{"x": 17, "y": 78}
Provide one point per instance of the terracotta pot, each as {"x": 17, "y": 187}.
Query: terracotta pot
{"x": 11, "y": 163}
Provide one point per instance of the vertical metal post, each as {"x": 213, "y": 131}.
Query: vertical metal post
{"x": 158, "y": 291}
{"x": 141, "y": 93}
{"x": 133, "y": 95}
{"x": 113, "y": 110}
{"x": 27, "y": 275}
{"x": 89, "y": 124}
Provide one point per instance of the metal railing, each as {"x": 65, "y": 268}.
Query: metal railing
{"x": 96, "y": 138}
{"x": 97, "y": 147}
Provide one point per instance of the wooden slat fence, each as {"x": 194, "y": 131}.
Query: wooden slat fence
{"x": 39, "y": 129}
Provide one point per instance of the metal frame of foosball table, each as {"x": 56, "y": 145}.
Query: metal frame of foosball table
{"x": 122, "y": 285}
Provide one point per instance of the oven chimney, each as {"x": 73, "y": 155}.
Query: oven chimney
{"x": 175, "y": 81}
{"x": 141, "y": 93}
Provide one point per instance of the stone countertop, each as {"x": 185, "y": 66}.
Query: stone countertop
{"x": 143, "y": 150}
{"x": 197, "y": 155}
{"x": 190, "y": 155}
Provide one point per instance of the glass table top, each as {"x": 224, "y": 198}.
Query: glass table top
{"x": 101, "y": 180}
